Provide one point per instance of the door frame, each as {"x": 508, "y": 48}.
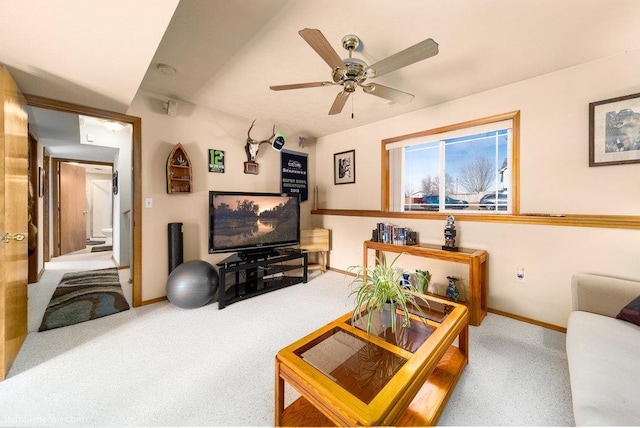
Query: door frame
{"x": 136, "y": 176}
{"x": 55, "y": 199}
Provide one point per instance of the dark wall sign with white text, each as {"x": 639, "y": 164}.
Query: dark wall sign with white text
{"x": 294, "y": 173}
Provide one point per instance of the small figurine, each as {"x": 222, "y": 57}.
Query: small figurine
{"x": 450, "y": 235}
{"x": 452, "y": 289}
{"x": 405, "y": 280}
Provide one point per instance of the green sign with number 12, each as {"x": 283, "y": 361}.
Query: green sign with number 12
{"x": 216, "y": 160}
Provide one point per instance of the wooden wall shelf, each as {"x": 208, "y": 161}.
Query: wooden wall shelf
{"x": 179, "y": 172}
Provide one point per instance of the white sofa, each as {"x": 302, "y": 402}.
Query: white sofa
{"x": 603, "y": 352}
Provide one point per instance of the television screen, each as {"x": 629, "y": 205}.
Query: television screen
{"x": 252, "y": 222}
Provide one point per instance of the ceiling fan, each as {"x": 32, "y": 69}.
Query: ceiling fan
{"x": 353, "y": 72}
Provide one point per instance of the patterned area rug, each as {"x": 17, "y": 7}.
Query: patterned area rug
{"x": 83, "y": 296}
{"x": 90, "y": 242}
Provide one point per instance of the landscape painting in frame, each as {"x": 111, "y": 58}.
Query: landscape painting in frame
{"x": 344, "y": 167}
{"x": 614, "y": 131}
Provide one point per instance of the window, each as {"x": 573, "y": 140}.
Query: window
{"x": 465, "y": 168}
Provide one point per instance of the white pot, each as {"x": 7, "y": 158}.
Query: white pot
{"x": 385, "y": 315}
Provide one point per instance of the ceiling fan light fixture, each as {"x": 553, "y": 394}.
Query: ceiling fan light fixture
{"x": 349, "y": 86}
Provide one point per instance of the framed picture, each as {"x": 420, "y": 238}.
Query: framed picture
{"x": 344, "y": 167}
{"x": 614, "y": 131}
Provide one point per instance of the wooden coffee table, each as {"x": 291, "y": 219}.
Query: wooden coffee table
{"x": 348, "y": 377}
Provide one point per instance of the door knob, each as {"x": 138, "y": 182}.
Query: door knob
{"x": 7, "y": 237}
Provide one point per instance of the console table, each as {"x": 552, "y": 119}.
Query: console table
{"x": 476, "y": 259}
{"x": 241, "y": 278}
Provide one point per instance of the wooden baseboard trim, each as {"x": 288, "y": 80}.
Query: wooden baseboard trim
{"x": 528, "y": 320}
{"x": 344, "y": 272}
{"x": 152, "y": 301}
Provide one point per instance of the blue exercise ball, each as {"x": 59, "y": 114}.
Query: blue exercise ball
{"x": 192, "y": 284}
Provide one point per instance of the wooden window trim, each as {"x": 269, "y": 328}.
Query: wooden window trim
{"x": 514, "y": 116}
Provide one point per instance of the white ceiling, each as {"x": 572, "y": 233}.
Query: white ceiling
{"x": 228, "y": 52}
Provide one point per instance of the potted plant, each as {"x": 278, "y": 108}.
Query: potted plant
{"x": 381, "y": 289}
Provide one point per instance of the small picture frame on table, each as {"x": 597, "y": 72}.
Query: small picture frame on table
{"x": 614, "y": 131}
{"x": 344, "y": 167}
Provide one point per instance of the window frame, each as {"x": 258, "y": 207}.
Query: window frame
{"x": 514, "y": 117}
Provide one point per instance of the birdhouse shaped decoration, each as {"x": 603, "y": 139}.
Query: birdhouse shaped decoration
{"x": 179, "y": 175}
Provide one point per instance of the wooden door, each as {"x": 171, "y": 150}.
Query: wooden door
{"x": 13, "y": 221}
{"x": 46, "y": 247}
{"x": 73, "y": 208}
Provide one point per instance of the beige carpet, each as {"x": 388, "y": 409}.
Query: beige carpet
{"x": 160, "y": 365}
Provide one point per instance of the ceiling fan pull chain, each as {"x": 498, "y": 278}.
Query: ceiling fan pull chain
{"x": 352, "y": 116}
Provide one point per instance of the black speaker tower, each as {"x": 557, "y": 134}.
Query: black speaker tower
{"x": 175, "y": 246}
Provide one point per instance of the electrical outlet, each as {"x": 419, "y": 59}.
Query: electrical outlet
{"x": 520, "y": 274}
{"x": 360, "y": 249}
{"x": 148, "y": 203}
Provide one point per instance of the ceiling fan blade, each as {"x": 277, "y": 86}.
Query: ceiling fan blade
{"x": 322, "y": 47}
{"x": 339, "y": 102}
{"x": 418, "y": 52}
{"x": 300, "y": 86}
{"x": 388, "y": 93}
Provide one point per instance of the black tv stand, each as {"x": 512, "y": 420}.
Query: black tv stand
{"x": 254, "y": 255}
{"x": 247, "y": 275}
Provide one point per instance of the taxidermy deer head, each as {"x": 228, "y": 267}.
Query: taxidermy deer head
{"x": 253, "y": 146}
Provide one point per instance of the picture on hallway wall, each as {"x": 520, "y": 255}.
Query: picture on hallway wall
{"x": 344, "y": 167}
{"x": 614, "y": 131}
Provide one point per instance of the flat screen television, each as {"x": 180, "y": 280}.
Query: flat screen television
{"x": 252, "y": 223}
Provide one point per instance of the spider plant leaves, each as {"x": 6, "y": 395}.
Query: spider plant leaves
{"x": 379, "y": 285}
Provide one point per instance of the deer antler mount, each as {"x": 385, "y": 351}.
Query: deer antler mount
{"x": 252, "y": 147}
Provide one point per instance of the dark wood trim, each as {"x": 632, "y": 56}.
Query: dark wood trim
{"x": 46, "y": 208}
{"x": 136, "y": 215}
{"x": 56, "y": 206}
{"x": 34, "y": 217}
{"x": 136, "y": 179}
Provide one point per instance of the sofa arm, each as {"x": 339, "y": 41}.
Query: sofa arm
{"x": 601, "y": 294}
